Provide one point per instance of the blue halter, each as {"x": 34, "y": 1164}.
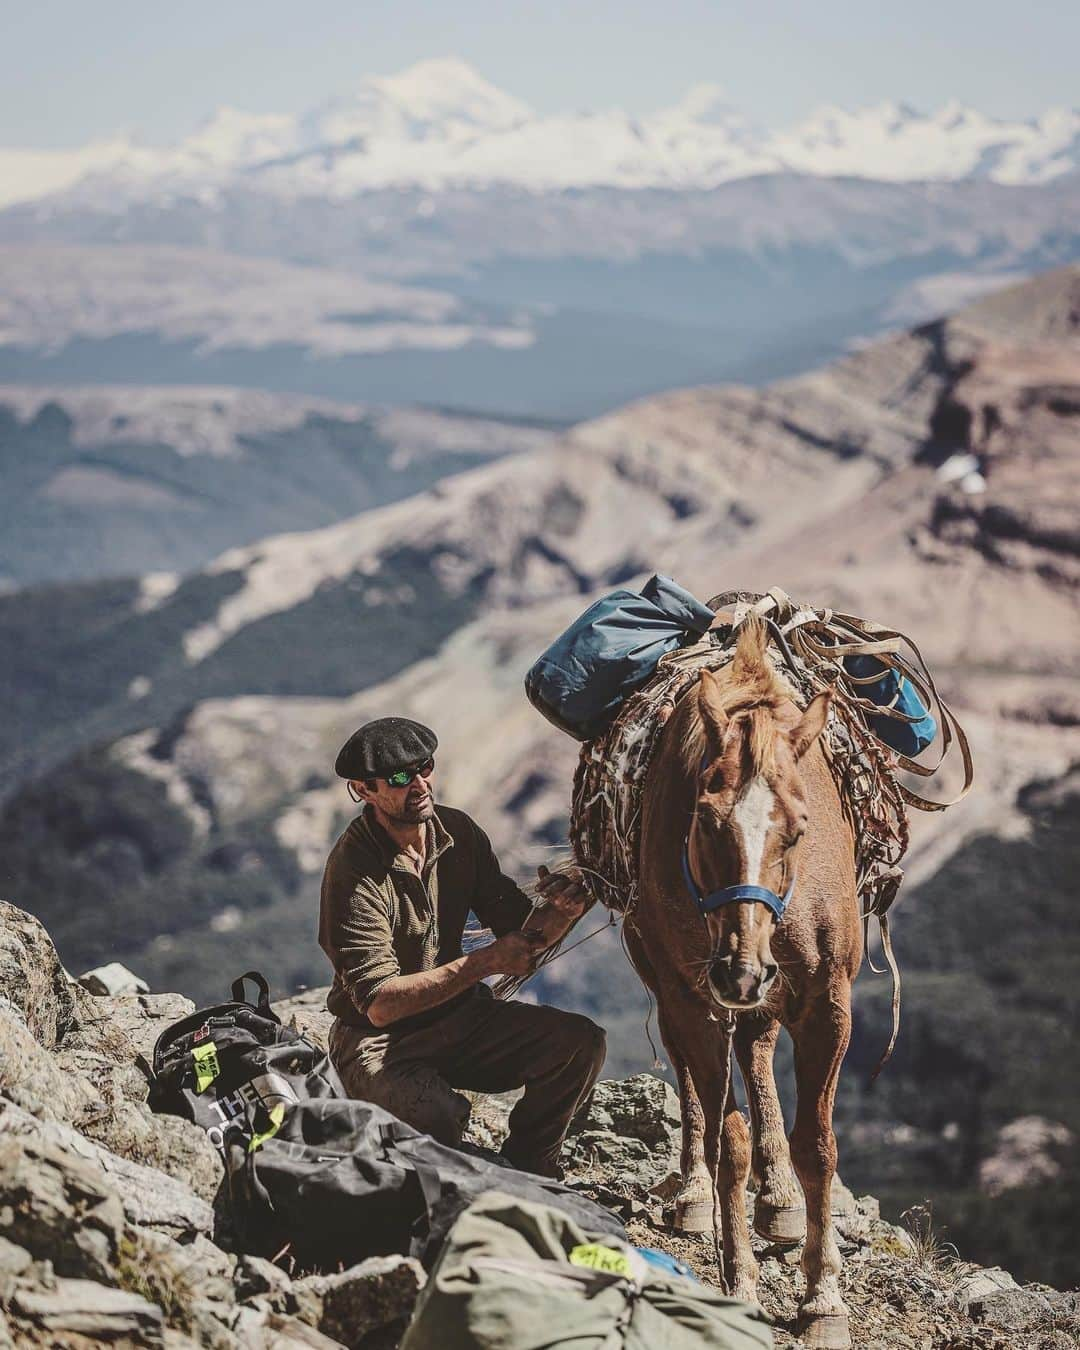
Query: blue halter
{"x": 729, "y": 895}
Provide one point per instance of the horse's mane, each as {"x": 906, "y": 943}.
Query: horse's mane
{"x": 748, "y": 688}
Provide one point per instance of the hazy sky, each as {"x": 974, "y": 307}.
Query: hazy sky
{"x": 71, "y": 70}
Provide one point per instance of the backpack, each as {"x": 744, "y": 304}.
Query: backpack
{"x": 581, "y": 680}
{"x": 336, "y": 1179}
{"x": 517, "y": 1275}
{"x": 344, "y": 1180}
{"x": 230, "y": 1067}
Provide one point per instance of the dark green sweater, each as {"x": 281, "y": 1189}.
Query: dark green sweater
{"x": 379, "y": 919}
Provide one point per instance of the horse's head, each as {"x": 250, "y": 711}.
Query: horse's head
{"x": 750, "y": 813}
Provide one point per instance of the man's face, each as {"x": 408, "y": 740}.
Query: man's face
{"x": 410, "y": 804}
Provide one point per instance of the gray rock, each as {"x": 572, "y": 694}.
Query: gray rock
{"x": 257, "y": 1278}
{"x": 31, "y": 976}
{"x": 307, "y": 1014}
{"x": 14, "y": 1261}
{"x": 362, "y": 1299}
{"x": 261, "y": 1330}
{"x": 125, "y": 1025}
{"x": 112, "y": 979}
{"x": 628, "y": 1161}
{"x": 60, "y": 1208}
{"x": 191, "y": 1271}
{"x": 175, "y": 1147}
{"x": 979, "y": 1284}
{"x": 641, "y": 1107}
{"x": 993, "y": 1297}
{"x": 94, "y": 1311}
{"x": 149, "y": 1197}
{"x": 30, "y": 1076}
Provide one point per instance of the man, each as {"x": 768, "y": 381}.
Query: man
{"x": 413, "y": 1022}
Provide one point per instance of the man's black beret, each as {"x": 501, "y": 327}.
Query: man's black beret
{"x": 383, "y": 747}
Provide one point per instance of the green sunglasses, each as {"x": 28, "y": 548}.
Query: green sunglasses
{"x": 404, "y": 777}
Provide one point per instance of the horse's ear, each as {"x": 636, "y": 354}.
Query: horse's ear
{"x": 716, "y": 720}
{"x": 811, "y": 725}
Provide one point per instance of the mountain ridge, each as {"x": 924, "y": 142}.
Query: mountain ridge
{"x": 439, "y": 123}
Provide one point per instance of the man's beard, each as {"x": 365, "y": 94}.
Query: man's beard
{"x": 416, "y": 814}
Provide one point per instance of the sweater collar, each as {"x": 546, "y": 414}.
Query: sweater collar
{"x": 439, "y": 839}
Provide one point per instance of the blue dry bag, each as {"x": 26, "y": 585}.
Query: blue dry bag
{"x": 582, "y": 679}
{"x": 892, "y": 690}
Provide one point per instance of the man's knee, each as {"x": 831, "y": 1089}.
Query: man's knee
{"x": 582, "y": 1038}
{"x": 442, "y": 1114}
{"x": 418, "y": 1095}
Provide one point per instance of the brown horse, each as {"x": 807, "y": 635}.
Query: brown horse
{"x": 739, "y": 794}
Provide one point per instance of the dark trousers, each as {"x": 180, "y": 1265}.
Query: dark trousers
{"x": 482, "y": 1045}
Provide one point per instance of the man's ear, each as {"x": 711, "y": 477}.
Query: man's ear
{"x": 811, "y": 725}
{"x": 361, "y": 789}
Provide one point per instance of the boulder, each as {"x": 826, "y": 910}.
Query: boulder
{"x": 627, "y": 1161}
{"x": 112, "y": 979}
{"x": 95, "y": 1312}
{"x": 259, "y": 1330}
{"x": 14, "y": 1261}
{"x": 194, "y": 1270}
{"x": 149, "y": 1197}
{"x": 31, "y": 976}
{"x": 125, "y": 1025}
{"x": 30, "y": 1076}
{"x": 306, "y": 1013}
{"x": 976, "y": 1285}
{"x": 993, "y": 1297}
{"x": 362, "y": 1299}
{"x": 259, "y": 1281}
{"x": 59, "y": 1208}
{"x": 175, "y": 1147}
{"x": 629, "y": 1128}
{"x": 641, "y": 1107}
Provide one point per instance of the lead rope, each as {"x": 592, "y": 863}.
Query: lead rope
{"x": 890, "y": 959}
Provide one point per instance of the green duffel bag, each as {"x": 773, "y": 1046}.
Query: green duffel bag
{"x": 515, "y": 1275}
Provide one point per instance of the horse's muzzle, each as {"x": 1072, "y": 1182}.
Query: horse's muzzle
{"x": 740, "y": 985}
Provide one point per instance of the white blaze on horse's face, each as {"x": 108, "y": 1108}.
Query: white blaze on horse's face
{"x": 750, "y": 835}
{"x": 751, "y": 821}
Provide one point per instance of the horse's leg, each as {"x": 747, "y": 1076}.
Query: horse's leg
{"x": 695, "y": 1203}
{"x": 706, "y": 1048}
{"x": 740, "y": 1268}
{"x": 821, "y": 1038}
{"x": 780, "y": 1211}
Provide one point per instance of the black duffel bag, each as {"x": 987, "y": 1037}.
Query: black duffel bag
{"x": 339, "y": 1181}
{"x": 335, "y": 1180}
{"x": 228, "y": 1067}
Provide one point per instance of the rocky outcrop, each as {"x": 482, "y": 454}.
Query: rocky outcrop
{"x": 116, "y": 1242}
{"x": 33, "y": 983}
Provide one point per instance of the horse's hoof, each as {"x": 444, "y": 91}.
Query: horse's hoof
{"x": 825, "y": 1331}
{"x": 694, "y": 1216}
{"x": 783, "y": 1224}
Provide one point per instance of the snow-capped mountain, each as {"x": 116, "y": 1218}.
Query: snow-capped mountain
{"x": 439, "y": 124}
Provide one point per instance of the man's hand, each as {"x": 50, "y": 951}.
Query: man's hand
{"x": 562, "y": 892}
{"x": 563, "y": 900}
{"x": 512, "y": 954}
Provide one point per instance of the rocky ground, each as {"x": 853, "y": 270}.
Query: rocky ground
{"x": 114, "y": 1230}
